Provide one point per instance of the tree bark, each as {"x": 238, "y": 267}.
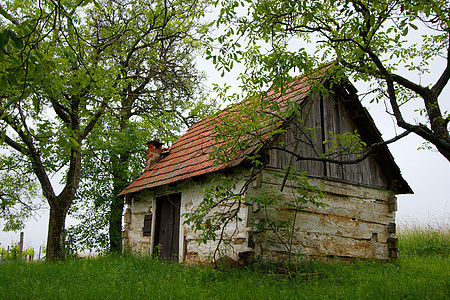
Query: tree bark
{"x": 444, "y": 152}
{"x": 56, "y": 232}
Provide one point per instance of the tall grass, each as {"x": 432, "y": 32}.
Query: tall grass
{"x": 420, "y": 239}
{"x": 114, "y": 277}
{"x": 423, "y": 274}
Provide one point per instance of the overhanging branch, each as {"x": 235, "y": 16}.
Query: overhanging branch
{"x": 369, "y": 152}
{"x": 445, "y": 76}
{"x": 10, "y": 142}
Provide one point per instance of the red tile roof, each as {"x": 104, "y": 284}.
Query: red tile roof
{"x": 189, "y": 155}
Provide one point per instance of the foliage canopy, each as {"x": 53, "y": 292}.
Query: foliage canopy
{"x": 382, "y": 42}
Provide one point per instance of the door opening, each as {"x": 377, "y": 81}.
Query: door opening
{"x": 167, "y": 227}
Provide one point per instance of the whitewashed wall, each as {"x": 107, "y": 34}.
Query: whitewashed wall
{"x": 141, "y": 205}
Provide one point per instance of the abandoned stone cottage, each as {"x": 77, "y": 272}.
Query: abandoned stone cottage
{"x": 358, "y": 219}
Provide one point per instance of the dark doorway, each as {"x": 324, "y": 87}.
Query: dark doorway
{"x": 167, "y": 227}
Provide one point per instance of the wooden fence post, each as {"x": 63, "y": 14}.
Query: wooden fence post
{"x": 7, "y": 254}
{"x": 20, "y": 246}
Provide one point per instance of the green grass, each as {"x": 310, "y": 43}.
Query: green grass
{"x": 414, "y": 276}
{"x": 417, "y": 239}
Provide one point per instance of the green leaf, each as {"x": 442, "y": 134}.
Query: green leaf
{"x": 2, "y": 136}
{"x": 98, "y": 5}
{"x": 6, "y": 14}
{"x": 405, "y": 31}
{"x": 12, "y": 79}
{"x": 436, "y": 9}
{"x": 372, "y": 20}
{"x": 39, "y": 55}
{"x": 36, "y": 105}
{"x": 4, "y": 37}
{"x": 18, "y": 43}
{"x": 73, "y": 143}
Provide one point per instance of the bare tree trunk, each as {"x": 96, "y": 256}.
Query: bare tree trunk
{"x": 56, "y": 233}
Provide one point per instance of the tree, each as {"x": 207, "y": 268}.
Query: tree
{"x": 17, "y": 193}
{"x": 58, "y": 92}
{"x": 368, "y": 40}
{"x": 158, "y": 96}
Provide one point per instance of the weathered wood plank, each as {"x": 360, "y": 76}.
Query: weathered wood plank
{"x": 392, "y": 203}
{"x": 329, "y": 224}
{"x": 354, "y": 222}
{"x": 338, "y": 188}
{"x": 310, "y": 117}
{"x": 339, "y": 121}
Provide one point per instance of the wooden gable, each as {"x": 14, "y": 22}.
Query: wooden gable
{"x": 337, "y": 113}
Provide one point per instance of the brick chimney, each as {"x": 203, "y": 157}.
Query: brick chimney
{"x": 153, "y": 153}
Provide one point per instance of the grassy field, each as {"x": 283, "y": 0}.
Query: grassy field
{"x": 420, "y": 274}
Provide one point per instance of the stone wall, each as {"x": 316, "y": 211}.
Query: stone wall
{"x": 140, "y": 206}
{"x": 356, "y": 221}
